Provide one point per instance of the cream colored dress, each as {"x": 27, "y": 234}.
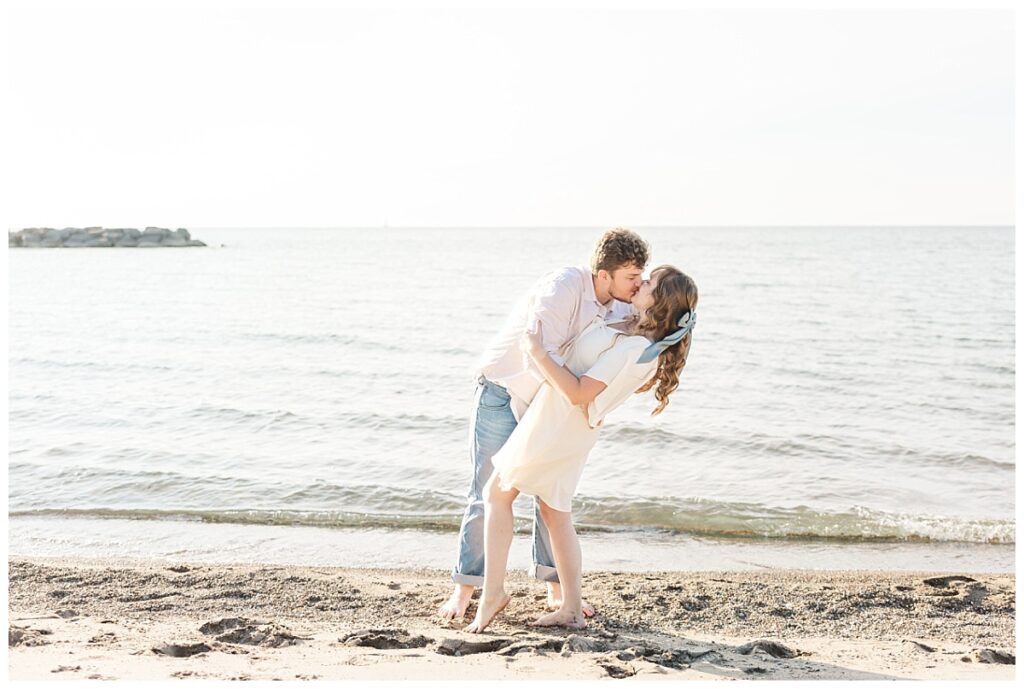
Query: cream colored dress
{"x": 546, "y": 452}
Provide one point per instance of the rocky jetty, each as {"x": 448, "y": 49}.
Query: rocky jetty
{"x": 71, "y": 237}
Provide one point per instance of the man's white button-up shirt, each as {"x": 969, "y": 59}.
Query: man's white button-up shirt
{"x": 564, "y": 303}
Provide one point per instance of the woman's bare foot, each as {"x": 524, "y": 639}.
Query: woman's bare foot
{"x": 572, "y": 619}
{"x": 486, "y": 612}
{"x": 455, "y": 606}
{"x": 554, "y": 603}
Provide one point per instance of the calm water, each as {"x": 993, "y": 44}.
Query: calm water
{"x": 846, "y": 388}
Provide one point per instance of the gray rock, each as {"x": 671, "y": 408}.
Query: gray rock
{"x": 944, "y": 582}
{"x": 459, "y": 647}
{"x": 991, "y": 655}
{"x": 772, "y": 648}
{"x": 180, "y": 650}
{"x": 73, "y": 238}
{"x": 918, "y": 646}
{"x": 383, "y": 639}
{"x": 26, "y": 636}
{"x": 575, "y": 643}
{"x": 268, "y": 635}
{"x": 534, "y": 645}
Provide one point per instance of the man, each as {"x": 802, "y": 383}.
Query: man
{"x": 564, "y": 302}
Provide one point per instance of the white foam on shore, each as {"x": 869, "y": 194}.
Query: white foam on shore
{"x": 629, "y": 551}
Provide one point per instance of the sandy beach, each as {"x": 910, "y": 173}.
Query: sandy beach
{"x": 137, "y": 619}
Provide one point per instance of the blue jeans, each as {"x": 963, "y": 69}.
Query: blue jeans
{"x": 492, "y": 424}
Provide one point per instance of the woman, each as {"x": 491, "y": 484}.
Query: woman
{"x": 545, "y": 454}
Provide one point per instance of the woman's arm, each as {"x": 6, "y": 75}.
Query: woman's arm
{"x": 578, "y": 391}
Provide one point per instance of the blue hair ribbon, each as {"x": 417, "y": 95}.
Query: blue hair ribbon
{"x": 686, "y": 323}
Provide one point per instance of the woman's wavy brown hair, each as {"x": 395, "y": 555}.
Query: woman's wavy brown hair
{"x": 674, "y": 295}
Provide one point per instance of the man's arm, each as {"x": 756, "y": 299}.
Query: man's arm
{"x": 553, "y": 309}
{"x": 578, "y": 391}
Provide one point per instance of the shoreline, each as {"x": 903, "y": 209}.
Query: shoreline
{"x": 281, "y": 544}
{"x": 78, "y": 618}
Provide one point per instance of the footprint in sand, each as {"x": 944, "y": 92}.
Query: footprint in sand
{"x": 241, "y": 630}
{"x": 106, "y": 638}
{"x": 181, "y": 650}
{"x": 67, "y": 668}
{"x": 383, "y": 639}
{"x": 26, "y": 636}
{"x": 616, "y": 671}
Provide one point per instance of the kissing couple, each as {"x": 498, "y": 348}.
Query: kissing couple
{"x": 575, "y": 347}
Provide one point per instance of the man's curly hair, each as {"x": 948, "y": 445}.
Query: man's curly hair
{"x": 617, "y": 248}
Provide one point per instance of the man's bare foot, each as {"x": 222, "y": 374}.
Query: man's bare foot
{"x": 486, "y": 612}
{"x": 455, "y": 606}
{"x": 554, "y": 601}
{"x": 561, "y": 618}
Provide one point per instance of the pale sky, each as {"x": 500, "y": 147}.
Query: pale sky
{"x": 342, "y": 117}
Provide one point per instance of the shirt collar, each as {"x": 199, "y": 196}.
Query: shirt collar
{"x": 589, "y": 293}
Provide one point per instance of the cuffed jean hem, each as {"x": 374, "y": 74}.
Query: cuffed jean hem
{"x": 468, "y": 579}
{"x": 544, "y": 573}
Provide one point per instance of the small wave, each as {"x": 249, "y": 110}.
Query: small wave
{"x": 751, "y": 520}
{"x": 417, "y": 422}
{"x": 937, "y": 458}
{"x": 797, "y": 445}
{"x": 371, "y": 507}
{"x": 322, "y": 338}
{"x": 252, "y": 420}
{"x": 360, "y": 342}
{"x": 118, "y": 365}
{"x": 456, "y": 351}
{"x": 271, "y": 419}
{"x": 756, "y": 443}
{"x": 650, "y": 437}
{"x": 331, "y": 519}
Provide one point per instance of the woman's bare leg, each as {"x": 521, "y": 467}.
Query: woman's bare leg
{"x": 565, "y": 547}
{"x": 498, "y": 523}
{"x": 554, "y": 600}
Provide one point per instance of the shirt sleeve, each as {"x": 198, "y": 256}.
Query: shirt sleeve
{"x": 553, "y": 306}
{"x": 617, "y": 368}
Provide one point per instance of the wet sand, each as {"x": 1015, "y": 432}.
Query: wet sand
{"x": 138, "y": 619}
